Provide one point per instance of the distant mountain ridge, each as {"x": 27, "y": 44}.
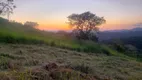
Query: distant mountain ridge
{"x": 116, "y": 34}
{"x": 137, "y": 29}
{"x": 126, "y": 30}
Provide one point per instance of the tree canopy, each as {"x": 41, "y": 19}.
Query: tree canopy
{"x": 6, "y": 6}
{"x": 31, "y": 24}
{"x": 84, "y": 24}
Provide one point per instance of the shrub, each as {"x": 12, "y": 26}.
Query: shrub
{"x": 83, "y": 68}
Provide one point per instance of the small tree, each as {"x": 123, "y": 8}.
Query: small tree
{"x": 6, "y": 7}
{"x": 84, "y": 25}
{"x": 31, "y": 24}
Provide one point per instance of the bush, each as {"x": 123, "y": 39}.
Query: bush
{"x": 83, "y": 68}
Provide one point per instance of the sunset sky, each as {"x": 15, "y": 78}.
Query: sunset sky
{"x": 52, "y": 14}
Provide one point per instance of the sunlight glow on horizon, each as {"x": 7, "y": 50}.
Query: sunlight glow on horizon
{"x": 52, "y": 14}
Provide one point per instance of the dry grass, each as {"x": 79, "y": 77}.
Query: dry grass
{"x": 22, "y": 59}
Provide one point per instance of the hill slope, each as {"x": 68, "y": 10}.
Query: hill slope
{"x": 17, "y": 33}
{"x": 27, "y": 53}
{"x": 22, "y": 62}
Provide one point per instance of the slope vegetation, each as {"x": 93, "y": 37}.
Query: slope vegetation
{"x": 41, "y": 62}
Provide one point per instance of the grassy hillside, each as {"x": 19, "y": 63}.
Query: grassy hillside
{"x": 17, "y": 33}
{"x": 13, "y": 32}
{"x": 41, "y": 62}
{"x": 27, "y": 53}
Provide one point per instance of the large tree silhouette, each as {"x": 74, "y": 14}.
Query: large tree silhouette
{"x": 6, "y": 7}
{"x": 84, "y": 24}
